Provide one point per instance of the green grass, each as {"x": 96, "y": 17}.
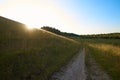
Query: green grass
{"x": 106, "y": 41}
{"x": 106, "y": 53}
{"x": 115, "y": 42}
{"x": 31, "y": 54}
{"x": 87, "y": 63}
{"x": 108, "y": 56}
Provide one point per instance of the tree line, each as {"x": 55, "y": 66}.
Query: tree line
{"x": 56, "y": 31}
{"x": 104, "y": 36}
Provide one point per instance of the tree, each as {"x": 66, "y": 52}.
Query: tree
{"x": 47, "y": 28}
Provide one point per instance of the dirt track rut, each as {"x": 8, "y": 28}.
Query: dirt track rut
{"x": 75, "y": 70}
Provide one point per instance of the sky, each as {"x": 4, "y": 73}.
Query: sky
{"x": 74, "y": 16}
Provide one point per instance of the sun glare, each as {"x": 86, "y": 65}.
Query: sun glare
{"x": 30, "y": 27}
{"x": 39, "y": 14}
{"x": 34, "y": 17}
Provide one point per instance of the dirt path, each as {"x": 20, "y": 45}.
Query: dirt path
{"x": 94, "y": 71}
{"x": 75, "y": 70}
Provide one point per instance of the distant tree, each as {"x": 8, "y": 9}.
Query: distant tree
{"x": 94, "y": 36}
{"x": 103, "y": 36}
{"x": 47, "y": 28}
{"x": 56, "y": 31}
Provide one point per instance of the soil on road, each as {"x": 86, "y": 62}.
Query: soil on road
{"x": 77, "y": 70}
{"x": 74, "y": 70}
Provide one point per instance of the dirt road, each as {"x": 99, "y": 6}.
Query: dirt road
{"x": 75, "y": 70}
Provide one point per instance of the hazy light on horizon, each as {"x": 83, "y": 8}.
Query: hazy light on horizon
{"x": 75, "y": 16}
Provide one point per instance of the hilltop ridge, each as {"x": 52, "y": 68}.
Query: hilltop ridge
{"x": 31, "y": 54}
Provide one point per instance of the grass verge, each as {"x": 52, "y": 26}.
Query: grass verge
{"x": 31, "y": 54}
{"x": 108, "y": 57}
{"x": 35, "y": 57}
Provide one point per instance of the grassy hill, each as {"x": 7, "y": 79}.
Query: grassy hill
{"x": 106, "y": 52}
{"x": 31, "y": 54}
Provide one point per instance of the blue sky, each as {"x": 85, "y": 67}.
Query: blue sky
{"x": 77, "y": 16}
{"x": 97, "y": 9}
{"x": 97, "y": 12}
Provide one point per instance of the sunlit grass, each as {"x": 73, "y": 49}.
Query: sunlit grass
{"x": 108, "y": 56}
{"x": 107, "y": 47}
{"x": 31, "y": 54}
{"x": 61, "y": 36}
{"x": 106, "y": 53}
{"x": 35, "y": 55}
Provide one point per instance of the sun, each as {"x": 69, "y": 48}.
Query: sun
{"x": 39, "y": 14}
{"x": 34, "y": 17}
{"x": 30, "y": 27}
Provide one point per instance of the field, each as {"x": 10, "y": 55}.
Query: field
{"x": 36, "y": 54}
{"x": 31, "y": 54}
{"x": 106, "y": 52}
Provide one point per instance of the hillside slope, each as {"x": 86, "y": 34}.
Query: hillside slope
{"x": 31, "y": 54}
